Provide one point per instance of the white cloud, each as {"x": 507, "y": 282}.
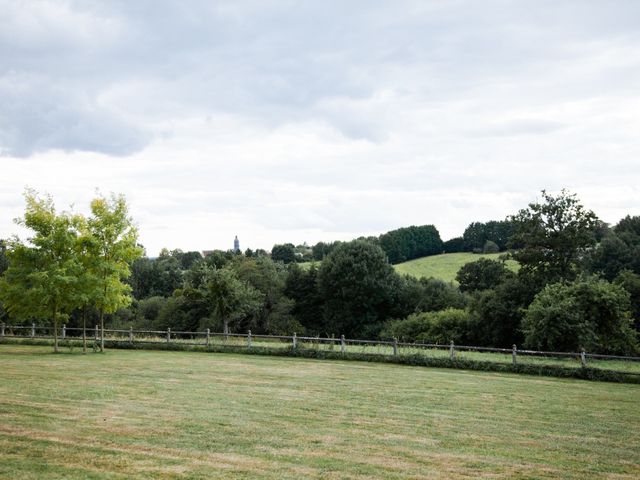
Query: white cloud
{"x": 317, "y": 121}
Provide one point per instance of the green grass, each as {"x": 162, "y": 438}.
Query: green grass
{"x": 144, "y": 414}
{"x": 445, "y": 266}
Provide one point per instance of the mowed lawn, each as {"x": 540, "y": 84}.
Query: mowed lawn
{"x": 445, "y": 266}
{"x": 144, "y": 414}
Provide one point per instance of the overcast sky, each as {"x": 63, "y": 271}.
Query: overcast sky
{"x": 283, "y": 121}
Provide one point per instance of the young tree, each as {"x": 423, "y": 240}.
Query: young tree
{"x": 113, "y": 246}
{"x": 41, "y": 280}
{"x": 553, "y": 236}
{"x": 225, "y": 297}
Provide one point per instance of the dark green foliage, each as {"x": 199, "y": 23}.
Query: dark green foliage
{"x": 356, "y": 284}
{"x": 186, "y": 259}
{"x": 268, "y": 277}
{"x": 553, "y": 237}
{"x": 454, "y": 245}
{"x": 414, "y": 295}
{"x": 483, "y": 274}
{"x": 219, "y": 258}
{"x": 630, "y": 281}
{"x": 619, "y": 250}
{"x": 477, "y": 234}
{"x": 155, "y": 277}
{"x": 498, "y": 312}
{"x": 613, "y": 255}
{"x": 283, "y": 253}
{"x": 411, "y": 242}
{"x": 301, "y": 286}
{"x": 322, "y": 249}
{"x": 4, "y": 262}
{"x": 490, "y": 247}
{"x": 220, "y": 298}
{"x": 148, "y": 311}
{"x": 592, "y": 314}
{"x": 431, "y": 327}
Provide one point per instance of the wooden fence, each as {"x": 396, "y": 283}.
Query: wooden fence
{"x": 248, "y": 340}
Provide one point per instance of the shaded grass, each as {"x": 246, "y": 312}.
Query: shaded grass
{"x": 240, "y": 343}
{"x": 445, "y": 267}
{"x": 141, "y": 414}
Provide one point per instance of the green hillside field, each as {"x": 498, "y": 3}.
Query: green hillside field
{"x": 131, "y": 414}
{"x": 445, "y": 266}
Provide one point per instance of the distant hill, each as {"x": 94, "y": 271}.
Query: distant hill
{"x": 445, "y": 266}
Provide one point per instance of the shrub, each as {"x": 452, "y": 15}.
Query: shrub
{"x": 432, "y": 327}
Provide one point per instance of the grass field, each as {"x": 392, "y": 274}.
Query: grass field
{"x": 142, "y": 414}
{"x": 445, "y": 266}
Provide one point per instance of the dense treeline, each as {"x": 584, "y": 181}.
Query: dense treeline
{"x": 578, "y": 286}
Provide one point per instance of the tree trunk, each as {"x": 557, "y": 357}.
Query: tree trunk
{"x": 55, "y": 329}
{"x": 225, "y": 328}
{"x": 84, "y": 329}
{"x": 102, "y": 330}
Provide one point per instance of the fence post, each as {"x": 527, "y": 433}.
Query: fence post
{"x": 208, "y": 336}
{"x": 452, "y": 351}
{"x": 583, "y": 358}
{"x": 96, "y": 334}
{"x": 295, "y": 340}
{"x": 33, "y": 330}
{"x": 168, "y": 335}
{"x": 514, "y": 354}
{"x": 342, "y": 344}
{"x": 131, "y": 334}
{"x": 2, "y": 330}
{"x": 249, "y": 339}
{"x": 395, "y": 347}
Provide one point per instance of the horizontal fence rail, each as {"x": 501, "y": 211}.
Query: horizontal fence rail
{"x": 381, "y": 347}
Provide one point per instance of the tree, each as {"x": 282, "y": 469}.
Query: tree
{"x": 630, "y": 281}
{"x": 301, "y": 286}
{"x": 4, "y": 263}
{"x": 483, "y": 274}
{"x": 619, "y": 250}
{"x": 321, "y": 249}
{"x": 498, "y": 312}
{"x": 553, "y": 236}
{"x": 591, "y": 314}
{"x": 41, "y": 280}
{"x": 283, "y": 253}
{"x": 113, "y": 246}
{"x": 411, "y": 242}
{"x": 231, "y": 299}
{"x": 268, "y": 277}
{"x": 454, "y": 245}
{"x": 412, "y": 295}
{"x": 355, "y": 282}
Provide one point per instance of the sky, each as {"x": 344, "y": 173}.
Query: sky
{"x": 283, "y": 121}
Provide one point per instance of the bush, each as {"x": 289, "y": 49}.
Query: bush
{"x": 592, "y": 314}
{"x": 432, "y": 327}
{"x": 490, "y": 247}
